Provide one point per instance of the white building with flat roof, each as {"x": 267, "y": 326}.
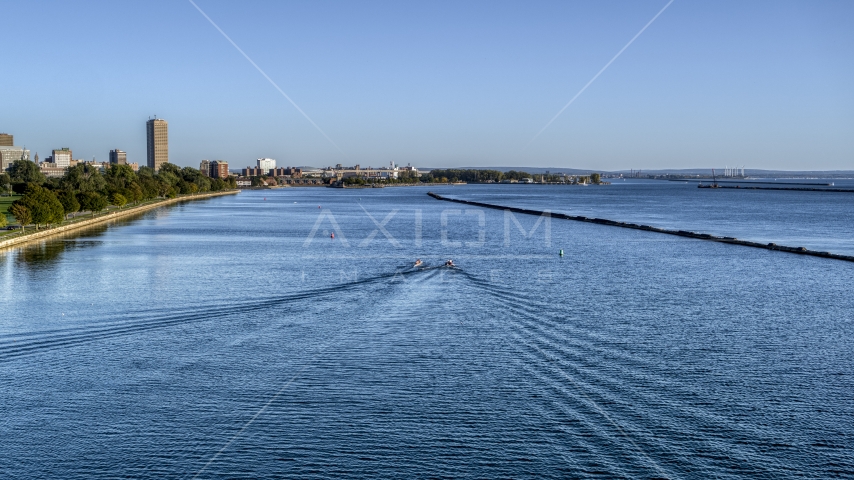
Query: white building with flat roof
{"x": 61, "y": 158}
{"x": 52, "y": 171}
{"x": 266, "y": 164}
{"x": 11, "y": 154}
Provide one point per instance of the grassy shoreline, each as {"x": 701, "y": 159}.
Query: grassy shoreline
{"x": 12, "y": 238}
{"x": 5, "y": 203}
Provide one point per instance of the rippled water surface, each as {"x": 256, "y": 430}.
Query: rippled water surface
{"x": 233, "y": 338}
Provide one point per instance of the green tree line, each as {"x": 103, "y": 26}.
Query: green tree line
{"x": 495, "y": 176}
{"x": 460, "y": 175}
{"x": 405, "y": 178}
{"x": 474, "y": 176}
{"x": 47, "y": 201}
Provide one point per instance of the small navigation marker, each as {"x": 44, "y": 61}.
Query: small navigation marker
{"x": 561, "y": 252}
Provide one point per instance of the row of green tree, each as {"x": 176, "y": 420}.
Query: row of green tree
{"x": 403, "y": 180}
{"x": 468, "y": 175}
{"x": 47, "y": 201}
{"x": 495, "y": 176}
{"x": 475, "y": 176}
{"x": 447, "y": 175}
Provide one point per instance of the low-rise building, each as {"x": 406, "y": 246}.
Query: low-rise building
{"x": 305, "y": 181}
{"x": 101, "y": 166}
{"x": 287, "y": 172}
{"x": 408, "y": 171}
{"x": 9, "y": 154}
{"x": 51, "y": 170}
{"x": 253, "y": 172}
{"x": 391, "y": 172}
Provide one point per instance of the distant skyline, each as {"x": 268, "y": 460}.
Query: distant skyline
{"x": 765, "y": 84}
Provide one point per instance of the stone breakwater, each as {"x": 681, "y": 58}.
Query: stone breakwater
{"x": 106, "y": 218}
{"x": 678, "y": 233}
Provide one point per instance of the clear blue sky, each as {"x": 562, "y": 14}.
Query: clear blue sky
{"x": 767, "y": 84}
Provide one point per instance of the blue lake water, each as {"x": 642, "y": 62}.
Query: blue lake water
{"x": 233, "y": 338}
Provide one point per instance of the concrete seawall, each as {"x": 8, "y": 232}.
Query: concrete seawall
{"x": 678, "y": 233}
{"x": 109, "y": 217}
